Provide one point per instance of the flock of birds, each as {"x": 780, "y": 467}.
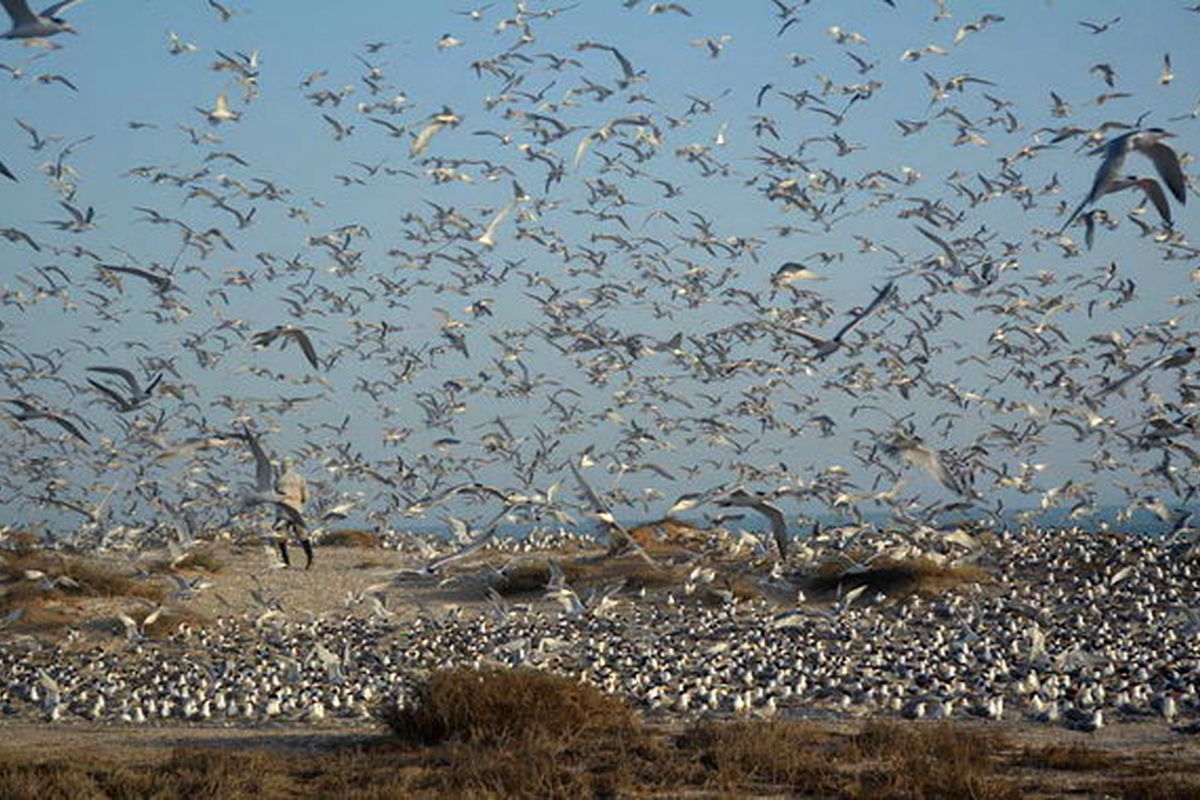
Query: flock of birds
{"x": 616, "y": 341}
{"x": 1088, "y": 630}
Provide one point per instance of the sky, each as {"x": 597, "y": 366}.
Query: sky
{"x": 397, "y": 397}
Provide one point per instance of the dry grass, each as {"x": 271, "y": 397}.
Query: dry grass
{"x": 531, "y": 575}
{"x": 1072, "y": 758}
{"x": 65, "y": 577}
{"x": 895, "y": 577}
{"x": 349, "y": 537}
{"x": 202, "y": 559}
{"x": 498, "y": 706}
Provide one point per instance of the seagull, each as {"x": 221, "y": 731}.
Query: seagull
{"x": 27, "y": 25}
{"x": 1149, "y": 143}
{"x": 137, "y": 395}
{"x": 29, "y": 412}
{"x": 265, "y": 338}
{"x": 827, "y": 347}
{"x": 1178, "y": 358}
{"x": 740, "y": 498}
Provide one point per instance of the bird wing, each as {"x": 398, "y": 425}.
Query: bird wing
{"x": 68, "y": 426}
{"x": 879, "y": 300}
{"x": 306, "y": 345}
{"x": 1158, "y": 197}
{"x": 5, "y": 172}
{"x": 122, "y": 373}
{"x": 54, "y": 10}
{"x": 946, "y": 248}
{"x": 264, "y": 477}
{"x": 19, "y": 11}
{"x": 1167, "y": 164}
{"x": 120, "y": 401}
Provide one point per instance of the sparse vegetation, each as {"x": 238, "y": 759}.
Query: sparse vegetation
{"x": 894, "y": 577}
{"x": 39, "y": 577}
{"x": 349, "y": 537}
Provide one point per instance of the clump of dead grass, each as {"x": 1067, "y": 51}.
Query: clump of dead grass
{"x": 498, "y": 706}
{"x": 1067, "y": 758}
{"x": 790, "y": 753}
{"x": 930, "y": 760}
{"x": 64, "y": 577}
{"x": 349, "y": 537}
{"x": 894, "y": 577}
{"x": 531, "y": 575}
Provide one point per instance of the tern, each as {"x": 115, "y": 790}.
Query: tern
{"x": 27, "y": 25}
{"x": 29, "y": 412}
{"x": 137, "y": 395}
{"x": 1149, "y": 143}
{"x": 286, "y": 332}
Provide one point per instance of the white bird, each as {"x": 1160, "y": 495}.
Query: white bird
{"x": 27, "y": 25}
{"x": 1149, "y": 143}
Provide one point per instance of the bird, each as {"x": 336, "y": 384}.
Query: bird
{"x": 27, "y": 25}
{"x": 740, "y": 498}
{"x": 1178, "y": 358}
{"x": 137, "y": 395}
{"x": 285, "y": 333}
{"x": 28, "y": 412}
{"x": 1149, "y": 143}
{"x": 827, "y": 347}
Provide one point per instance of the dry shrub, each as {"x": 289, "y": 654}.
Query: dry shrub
{"x": 495, "y": 706}
{"x": 84, "y": 578}
{"x": 523, "y": 578}
{"x": 789, "y": 753}
{"x": 1067, "y": 758}
{"x": 205, "y": 560}
{"x": 193, "y": 772}
{"x": 531, "y": 576}
{"x": 349, "y": 537}
{"x": 1157, "y": 787}
{"x": 930, "y": 760}
{"x": 895, "y": 577}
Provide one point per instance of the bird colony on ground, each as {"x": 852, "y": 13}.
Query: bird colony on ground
{"x": 789, "y": 270}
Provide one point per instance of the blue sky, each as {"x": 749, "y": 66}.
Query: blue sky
{"x": 124, "y": 73}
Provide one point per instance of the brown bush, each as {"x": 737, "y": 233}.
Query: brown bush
{"x": 84, "y": 577}
{"x": 349, "y": 537}
{"x": 789, "y": 753}
{"x": 498, "y": 706}
{"x": 1075, "y": 757}
{"x": 894, "y": 577}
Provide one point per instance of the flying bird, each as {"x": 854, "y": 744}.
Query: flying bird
{"x": 285, "y": 333}
{"x": 28, "y": 412}
{"x": 27, "y": 25}
{"x": 1149, "y": 143}
{"x": 137, "y": 395}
